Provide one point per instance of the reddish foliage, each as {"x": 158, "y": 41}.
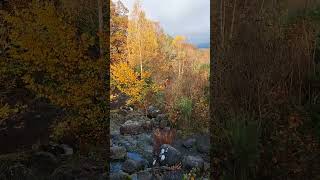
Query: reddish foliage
{"x": 162, "y": 136}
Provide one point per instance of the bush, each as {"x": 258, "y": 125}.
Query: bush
{"x": 243, "y": 135}
{"x": 185, "y": 106}
{"x": 186, "y": 101}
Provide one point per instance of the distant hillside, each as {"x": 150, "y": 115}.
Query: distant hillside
{"x": 203, "y": 45}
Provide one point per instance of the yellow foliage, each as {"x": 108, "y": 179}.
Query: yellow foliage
{"x": 46, "y": 43}
{"x": 57, "y": 66}
{"x": 128, "y": 82}
{"x": 5, "y": 111}
{"x": 178, "y": 40}
{"x": 142, "y": 42}
{"x": 118, "y": 32}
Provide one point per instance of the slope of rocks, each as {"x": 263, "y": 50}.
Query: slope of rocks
{"x": 133, "y": 156}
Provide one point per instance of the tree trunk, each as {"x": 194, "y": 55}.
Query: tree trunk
{"x": 100, "y": 14}
{"x": 233, "y": 18}
{"x": 140, "y": 48}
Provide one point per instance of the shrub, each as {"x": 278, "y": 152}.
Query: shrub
{"x": 162, "y": 137}
{"x": 5, "y": 111}
{"x": 186, "y": 102}
{"x": 185, "y": 106}
{"x": 141, "y": 92}
{"x": 243, "y": 135}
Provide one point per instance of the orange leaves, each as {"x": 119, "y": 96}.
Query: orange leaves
{"x": 127, "y": 81}
{"x": 163, "y": 136}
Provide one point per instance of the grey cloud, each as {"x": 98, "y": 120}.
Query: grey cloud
{"x": 190, "y": 18}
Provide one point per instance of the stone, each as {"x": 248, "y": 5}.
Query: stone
{"x": 84, "y": 169}
{"x": 129, "y": 146}
{"x": 147, "y": 125}
{"x": 17, "y": 171}
{"x": 154, "y": 122}
{"x": 130, "y": 166}
{"x": 161, "y": 117}
{"x": 145, "y": 138}
{"x": 190, "y": 162}
{"x": 131, "y": 128}
{"x": 111, "y": 142}
{"x": 64, "y": 172}
{"x": 152, "y": 112}
{"x": 68, "y": 151}
{"x": 118, "y": 153}
{"x": 115, "y": 134}
{"x": 162, "y": 120}
{"x": 119, "y": 176}
{"x": 103, "y": 176}
{"x": 139, "y": 159}
{"x": 203, "y": 144}
{"x": 172, "y": 175}
{"x": 144, "y": 175}
{"x": 134, "y": 177}
{"x": 53, "y": 148}
{"x": 115, "y": 167}
{"x": 163, "y": 124}
{"x": 169, "y": 155}
{"x": 189, "y": 143}
{"x": 206, "y": 166}
{"x": 125, "y": 110}
{"x": 44, "y": 161}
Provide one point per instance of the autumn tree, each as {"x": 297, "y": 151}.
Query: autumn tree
{"x": 178, "y": 43}
{"x": 83, "y": 14}
{"x": 142, "y": 40}
{"x": 57, "y": 67}
{"x": 160, "y": 68}
{"x": 118, "y": 32}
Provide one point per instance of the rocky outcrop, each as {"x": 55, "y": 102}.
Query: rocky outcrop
{"x": 67, "y": 150}
{"x": 57, "y": 149}
{"x": 169, "y": 155}
{"x": 130, "y": 166}
{"x": 162, "y": 120}
{"x": 131, "y": 127}
{"x": 203, "y": 144}
{"x": 172, "y": 175}
{"x": 189, "y": 143}
{"x": 84, "y": 169}
{"x": 134, "y": 144}
{"x": 119, "y": 176}
{"x": 45, "y": 161}
{"x": 152, "y": 112}
{"x": 190, "y": 162}
{"x": 144, "y": 175}
{"x": 16, "y": 172}
{"x": 118, "y": 153}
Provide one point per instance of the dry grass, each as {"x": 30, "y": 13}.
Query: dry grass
{"x": 162, "y": 136}
{"x": 264, "y": 71}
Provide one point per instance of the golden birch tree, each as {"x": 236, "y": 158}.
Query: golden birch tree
{"x": 142, "y": 39}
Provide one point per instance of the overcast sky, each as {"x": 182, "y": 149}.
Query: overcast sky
{"x": 190, "y": 18}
